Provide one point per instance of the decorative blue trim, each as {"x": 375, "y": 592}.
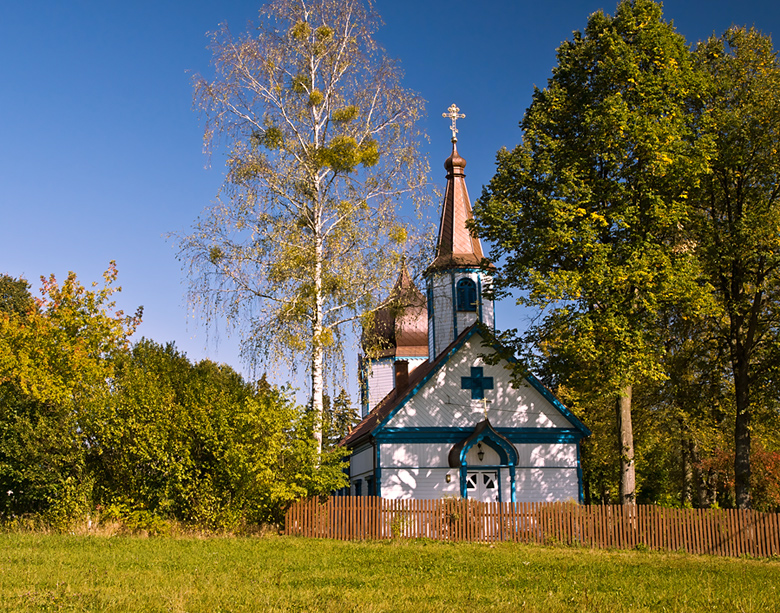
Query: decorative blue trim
{"x": 513, "y": 491}
{"x": 479, "y": 296}
{"x": 377, "y": 471}
{"x": 477, "y": 383}
{"x": 483, "y": 432}
{"x": 455, "y": 435}
{"x": 579, "y": 476}
{"x": 500, "y": 484}
{"x": 583, "y": 430}
{"x": 537, "y": 385}
{"x": 463, "y": 489}
{"x": 454, "y": 307}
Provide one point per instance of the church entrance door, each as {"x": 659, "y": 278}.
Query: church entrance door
{"x": 482, "y": 486}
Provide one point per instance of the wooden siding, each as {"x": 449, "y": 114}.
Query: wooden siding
{"x": 381, "y": 380}
{"x": 362, "y": 461}
{"x": 440, "y": 327}
{"x": 547, "y": 484}
{"x": 724, "y": 532}
{"x": 414, "y": 454}
{"x": 547, "y": 454}
{"x": 531, "y": 484}
{"x": 420, "y": 483}
{"x": 441, "y": 401}
{"x": 444, "y": 333}
{"x": 490, "y": 457}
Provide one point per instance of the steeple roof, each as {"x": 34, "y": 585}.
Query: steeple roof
{"x": 456, "y": 247}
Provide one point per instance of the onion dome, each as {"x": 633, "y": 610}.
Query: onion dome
{"x": 399, "y": 326}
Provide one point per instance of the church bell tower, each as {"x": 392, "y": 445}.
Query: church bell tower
{"x": 455, "y": 281}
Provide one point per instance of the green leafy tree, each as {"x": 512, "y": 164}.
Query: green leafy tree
{"x": 15, "y": 297}
{"x": 55, "y": 362}
{"x": 587, "y": 213}
{"x": 197, "y": 443}
{"x": 737, "y": 229}
{"x": 322, "y": 144}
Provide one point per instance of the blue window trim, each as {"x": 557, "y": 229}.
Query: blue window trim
{"x": 465, "y": 290}
{"x": 479, "y": 297}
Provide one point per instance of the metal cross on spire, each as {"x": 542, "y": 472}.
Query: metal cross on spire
{"x": 454, "y": 114}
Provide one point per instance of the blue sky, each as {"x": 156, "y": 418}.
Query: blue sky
{"x": 101, "y": 151}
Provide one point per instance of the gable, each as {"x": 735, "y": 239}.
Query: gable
{"x": 441, "y": 401}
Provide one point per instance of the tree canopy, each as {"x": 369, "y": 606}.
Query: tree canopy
{"x": 587, "y": 211}
{"x": 737, "y": 221}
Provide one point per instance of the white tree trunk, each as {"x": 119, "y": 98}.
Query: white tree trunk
{"x": 626, "y": 440}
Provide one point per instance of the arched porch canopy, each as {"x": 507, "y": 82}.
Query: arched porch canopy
{"x": 483, "y": 432}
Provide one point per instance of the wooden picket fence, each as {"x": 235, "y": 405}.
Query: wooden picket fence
{"x": 724, "y": 532}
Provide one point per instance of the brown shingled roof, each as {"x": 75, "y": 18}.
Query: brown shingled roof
{"x": 456, "y": 247}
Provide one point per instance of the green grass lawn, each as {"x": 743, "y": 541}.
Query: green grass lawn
{"x": 74, "y": 573}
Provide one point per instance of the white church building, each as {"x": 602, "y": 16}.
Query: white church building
{"x": 440, "y": 419}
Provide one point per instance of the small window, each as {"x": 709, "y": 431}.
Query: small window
{"x": 467, "y": 295}
{"x": 471, "y": 481}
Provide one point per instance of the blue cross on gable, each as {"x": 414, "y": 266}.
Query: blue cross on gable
{"x": 477, "y": 383}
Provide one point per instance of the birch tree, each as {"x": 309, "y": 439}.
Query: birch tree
{"x": 322, "y": 148}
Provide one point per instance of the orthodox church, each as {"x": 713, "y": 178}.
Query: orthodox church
{"x": 439, "y": 418}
